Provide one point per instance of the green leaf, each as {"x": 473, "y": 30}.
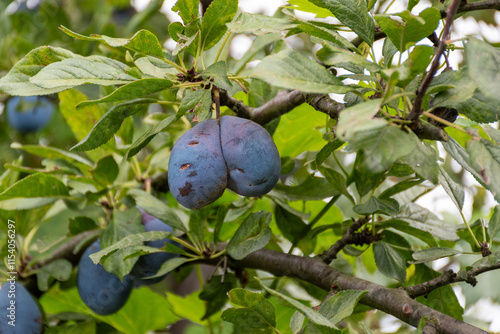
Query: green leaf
{"x": 425, "y": 220}
{"x": 325, "y": 152}
{"x": 187, "y": 9}
{"x": 259, "y": 24}
{"x": 485, "y": 157}
{"x": 131, "y": 91}
{"x": 417, "y": 62}
{"x": 193, "y": 99}
{"x": 143, "y": 41}
{"x": 400, "y": 187}
{"x": 106, "y": 170}
{"x": 33, "y": 191}
{"x": 423, "y": 159}
{"x": 462, "y": 157}
{"x": 290, "y": 69}
{"x": 257, "y": 312}
{"x": 217, "y": 73}
{"x": 82, "y": 122}
{"x": 213, "y": 25}
{"x": 387, "y": 206}
{"x": 312, "y": 315}
{"x": 109, "y": 124}
{"x": 158, "y": 209}
{"x": 389, "y": 261}
{"x": 325, "y": 32}
{"x": 413, "y": 29}
{"x": 333, "y": 55}
{"x": 483, "y": 62}
{"x": 58, "y": 269}
{"x": 148, "y": 136}
{"x": 415, "y": 232}
{"x": 17, "y": 81}
{"x": 253, "y": 234}
{"x": 494, "y": 223}
{"x": 355, "y": 120}
{"x": 341, "y": 305}
{"x": 297, "y": 131}
{"x": 221, "y": 215}
{"x": 81, "y": 224}
{"x": 56, "y": 154}
{"x": 292, "y": 227}
{"x": 354, "y": 14}
{"x": 129, "y": 319}
{"x": 310, "y": 7}
{"x": 312, "y": 189}
{"x": 453, "y": 189}
{"x": 122, "y": 225}
{"x": 215, "y": 293}
{"x": 170, "y": 265}
{"x": 480, "y": 108}
{"x": 431, "y": 254}
{"x": 197, "y": 227}
{"x": 337, "y": 181}
{"x": 459, "y": 96}
{"x": 73, "y": 72}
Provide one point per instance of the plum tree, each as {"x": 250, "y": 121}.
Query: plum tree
{"x": 20, "y": 313}
{"x": 101, "y": 291}
{"x": 149, "y": 264}
{"x": 238, "y": 154}
{"x": 30, "y": 113}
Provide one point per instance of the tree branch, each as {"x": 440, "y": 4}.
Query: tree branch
{"x": 392, "y": 301}
{"x": 422, "y": 89}
{"x": 350, "y": 238}
{"x": 449, "y": 277}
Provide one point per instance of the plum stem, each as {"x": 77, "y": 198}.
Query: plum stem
{"x": 216, "y": 92}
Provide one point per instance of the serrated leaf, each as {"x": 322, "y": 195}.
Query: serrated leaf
{"x": 109, "y": 124}
{"x": 148, "y": 136}
{"x": 425, "y": 220}
{"x": 358, "y": 119}
{"x": 17, "y": 81}
{"x": 192, "y": 99}
{"x": 217, "y": 73}
{"x": 290, "y": 69}
{"x": 485, "y": 157}
{"x": 423, "y": 159}
{"x": 341, "y": 305}
{"x": 310, "y": 7}
{"x": 389, "y": 261}
{"x": 143, "y": 41}
{"x": 106, "y": 170}
{"x": 337, "y": 181}
{"x": 386, "y": 206}
{"x": 312, "y": 315}
{"x": 73, "y": 72}
{"x": 325, "y": 152}
{"x": 333, "y": 55}
{"x": 312, "y": 189}
{"x": 494, "y": 223}
{"x": 170, "y": 265}
{"x": 413, "y": 29}
{"x": 213, "y": 25}
{"x": 80, "y": 224}
{"x": 325, "y": 32}
{"x": 462, "y": 157}
{"x": 257, "y": 312}
{"x": 58, "y": 269}
{"x": 431, "y": 254}
{"x": 131, "y": 91}
{"x": 483, "y": 63}
{"x": 259, "y": 24}
{"x": 158, "y": 209}
{"x": 480, "y": 108}
{"x": 292, "y": 227}
{"x": 33, "y": 191}
{"x": 253, "y": 234}
{"x": 354, "y": 14}
{"x": 453, "y": 189}
{"x": 415, "y": 232}
{"x": 187, "y": 9}
{"x": 215, "y": 293}
{"x": 400, "y": 187}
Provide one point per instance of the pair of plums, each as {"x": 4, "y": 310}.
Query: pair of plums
{"x": 237, "y": 154}
{"x": 19, "y": 311}
{"x": 103, "y": 292}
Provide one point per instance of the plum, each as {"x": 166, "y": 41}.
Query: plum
{"x": 197, "y": 173}
{"x": 251, "y": 156}
{"x": 103, "y": 292}
{"x": 20, "y": 313}
{"x": 30, "y": 113}
{"x": 149, "y": 264}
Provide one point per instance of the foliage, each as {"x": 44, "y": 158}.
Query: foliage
{"x": 352, "y": 172}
